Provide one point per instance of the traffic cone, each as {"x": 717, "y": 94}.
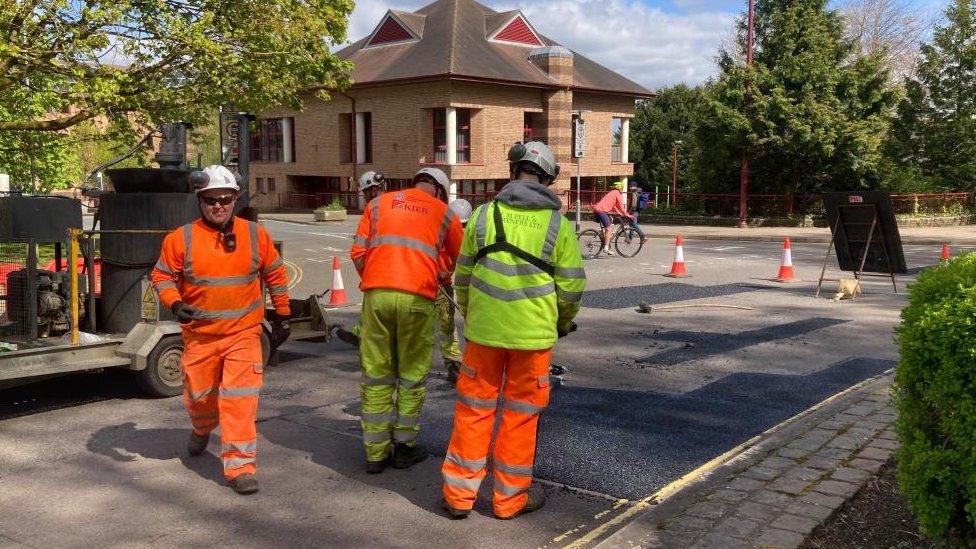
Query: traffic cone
{"x": 786, "y": 273}
{"x": 678, "y": 265}
{"x": 946, "y": 256}
{"x": 338, "y": 297}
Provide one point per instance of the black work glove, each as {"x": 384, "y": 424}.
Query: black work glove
{"x": 280, "y": 329}
{"x": 562, "y": 333}
{"x": 185, "y": 313}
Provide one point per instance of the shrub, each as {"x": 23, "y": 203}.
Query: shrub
{"x": 335, "y": 206}
{"x": 935, "y": 392}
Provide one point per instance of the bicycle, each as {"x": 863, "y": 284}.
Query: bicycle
{"x": 628, "y": 239}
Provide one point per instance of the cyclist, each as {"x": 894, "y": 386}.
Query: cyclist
{"x": 611, "y": 203}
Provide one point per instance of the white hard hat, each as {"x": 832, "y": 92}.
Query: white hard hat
{"x": 462, "y": 208}
{"x": 214, "y": 177}
{"x": 370, "y": 179}
{"x": 437, "y": 175}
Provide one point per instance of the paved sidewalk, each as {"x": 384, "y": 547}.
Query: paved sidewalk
{"x": 774, "y": 490}
{"x": 964, "y": 235}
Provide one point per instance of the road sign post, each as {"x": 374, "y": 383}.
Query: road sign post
{"x": 579, "y": 151}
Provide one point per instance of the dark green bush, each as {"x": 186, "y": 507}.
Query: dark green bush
{"x": 935, "y": 391}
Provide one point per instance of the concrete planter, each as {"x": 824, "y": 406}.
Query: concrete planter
{"x": 322, "y": 214}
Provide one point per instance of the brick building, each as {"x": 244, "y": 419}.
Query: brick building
{"x": 452, "y": 85}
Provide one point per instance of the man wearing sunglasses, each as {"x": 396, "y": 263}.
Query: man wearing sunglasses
{"x": 209, "y": 274}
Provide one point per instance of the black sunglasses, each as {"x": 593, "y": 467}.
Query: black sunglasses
{"x": 224, "y": 200}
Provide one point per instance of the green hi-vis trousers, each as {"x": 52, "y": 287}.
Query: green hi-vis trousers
{"x": 446, "y": 330}
{"x": 395, "y": 348}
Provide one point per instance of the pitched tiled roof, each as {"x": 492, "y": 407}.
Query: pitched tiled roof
{"x": 454, "y": 42}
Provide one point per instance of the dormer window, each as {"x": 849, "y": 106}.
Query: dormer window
{"x": 389, "y": 32}
{"x": 517, "y": 31}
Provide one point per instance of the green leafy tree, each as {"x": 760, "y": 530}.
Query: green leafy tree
{"x": 812, "y": 114}
{"x": 934, "y": 138}
{"x": 34, "y": 160}
{"x": 673, "y": 116}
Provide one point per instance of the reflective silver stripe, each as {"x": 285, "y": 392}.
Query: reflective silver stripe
{"x": 571, "y": 297}
{"x": 377, "y": 418}
{"x": 402, "y": 435}
{"x": 515, "y": 294}
{"x": 468, "y": 484}
{"x": 507, "y": 490}
{"x": 255, "y": 251}
{"x": 187, "y": 243}
{"x": 222, "y": 280}
{"x": 406, "y": 242}
{"x": 551, "y": 235}
{"x": 445, "y": 226}
{"x": 243, "y": 447}
{"x": 409, "y": 384}
{"x": 473, "y": 465}
{"x": 522, "y": 407}
{"x": 359, "y": 241}
{"x": 468, "y": 370}
{"x": 478, "y": 402}
{"x": 278, "y": 290}
{"x": 273, "y": 267}
{"x": 239, "y": 391}
{"x": 232, "y": 313}
{"x": 164, "y": 285}
{"x": 407, "y": 421}
{"x": 370, "y": 436}
{"x": 164, "y": 267}
{"x": 374, "y": 217}
{"x": 201, "y": 394}
{"x": 465, "y": 260}
{"x": 571, "y": 272}
{"x": 517, "y": 470}
{"x": 482, "y": 225}
{"x": 378, "y": 380}
{"x": 235, "y": 462}
{"x": 462, "y": 280}
{"x": 505, "y": 269}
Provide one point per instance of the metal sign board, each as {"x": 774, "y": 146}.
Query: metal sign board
{"x": 149, "y": 302}
{"x": 230, "y": 129}
{"x": 864, "y": 230}
{"x": 579, "y": 138}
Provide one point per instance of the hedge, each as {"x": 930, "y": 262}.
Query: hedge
{"x": 935, "y": 392}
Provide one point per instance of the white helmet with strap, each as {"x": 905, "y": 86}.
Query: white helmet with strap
{"x": 461, "y": 208}
{"x": 371, "y": 179}
{"x": 214, "y": 177}
{"x": 437, "y": 175}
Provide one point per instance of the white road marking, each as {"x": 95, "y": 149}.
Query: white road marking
{"x": 726, "y": 248}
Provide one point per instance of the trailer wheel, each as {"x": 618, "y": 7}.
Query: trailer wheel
{"x": 163, "y": 376}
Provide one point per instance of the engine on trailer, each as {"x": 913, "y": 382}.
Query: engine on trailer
{"x": 53, "y": 300}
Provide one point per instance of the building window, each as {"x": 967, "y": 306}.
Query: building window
{"x": 440, "y": 136}
{"x": 268, "y": 140}
{"x": 463, "y": 136}
{"x": 347, "y": 134}
{"x": 532, "y": 123}
{"x": 616, "y": 146}
{"x": 260, "y": 183}
{"x": 271, "y": 185}
{"x": 367, "y": 138}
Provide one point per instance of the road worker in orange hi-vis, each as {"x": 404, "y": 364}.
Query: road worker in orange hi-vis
{"x": 209, "y": 274}
{"x": 402, "y": 239}
{"x": 519, "y": 281}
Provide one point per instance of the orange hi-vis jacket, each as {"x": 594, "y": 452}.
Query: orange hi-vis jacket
{"x": 403, "y": 239}
{"x": 195, "y": 268}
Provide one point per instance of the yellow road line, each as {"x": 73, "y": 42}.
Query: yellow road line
{"x": 688, "y": 479}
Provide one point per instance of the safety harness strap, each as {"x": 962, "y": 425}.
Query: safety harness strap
{"x": 501, "y": 244}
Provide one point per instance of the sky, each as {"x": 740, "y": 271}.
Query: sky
{"x": 656, "y": 43}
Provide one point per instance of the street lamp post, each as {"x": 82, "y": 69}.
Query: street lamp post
{"x": 674, "y": 171}
{"x": 744, "y": 173}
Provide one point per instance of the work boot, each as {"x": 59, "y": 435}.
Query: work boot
{"x": 377, "y": 467}
{"x": 453, "y": 368}
{"x": 244, "y": 484}
{"x": 197, "y": 443}
{"x": 346, "y": 336}
{"x": 405, "y": 457}
{"x": 455, "y": 514}
{"x": 535, "y": 500}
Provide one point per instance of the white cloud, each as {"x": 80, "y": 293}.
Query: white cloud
{"x": 641, "y": 42}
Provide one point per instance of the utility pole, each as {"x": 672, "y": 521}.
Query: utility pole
{"x": 744, "y": 173}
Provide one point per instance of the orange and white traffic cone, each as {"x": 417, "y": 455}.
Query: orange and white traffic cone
{"x": 786, "y": 273}
{"x": 678, "y": 265}
{"x": 946, "y": 256}
{"x": 338, "y": 297}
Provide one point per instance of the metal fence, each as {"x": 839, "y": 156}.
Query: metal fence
{"x": 349, "y": 199}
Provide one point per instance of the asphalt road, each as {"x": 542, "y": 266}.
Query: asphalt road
{"x": 648, "y": 397}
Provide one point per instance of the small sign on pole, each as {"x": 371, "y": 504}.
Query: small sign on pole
{"x": 229, "y": 132}
{"x": 579, "y": 138}
{"x": 150, "y": 302}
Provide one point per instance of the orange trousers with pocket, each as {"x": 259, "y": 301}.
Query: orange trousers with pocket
{"x": 523, "y": 379}
{"x": 222, "y": 378}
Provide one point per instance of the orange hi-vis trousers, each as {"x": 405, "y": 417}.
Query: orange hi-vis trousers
{"x": 484, "y": 369}
{"x": 222, "y": 378}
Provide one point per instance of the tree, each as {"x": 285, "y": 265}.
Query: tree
{"x": 890, "y": 28}
{"x": 164, "y": 60}
{"x": 812, "y": 114}
{"x": 674, "y": 115}
{"x": 935, "y": 135}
